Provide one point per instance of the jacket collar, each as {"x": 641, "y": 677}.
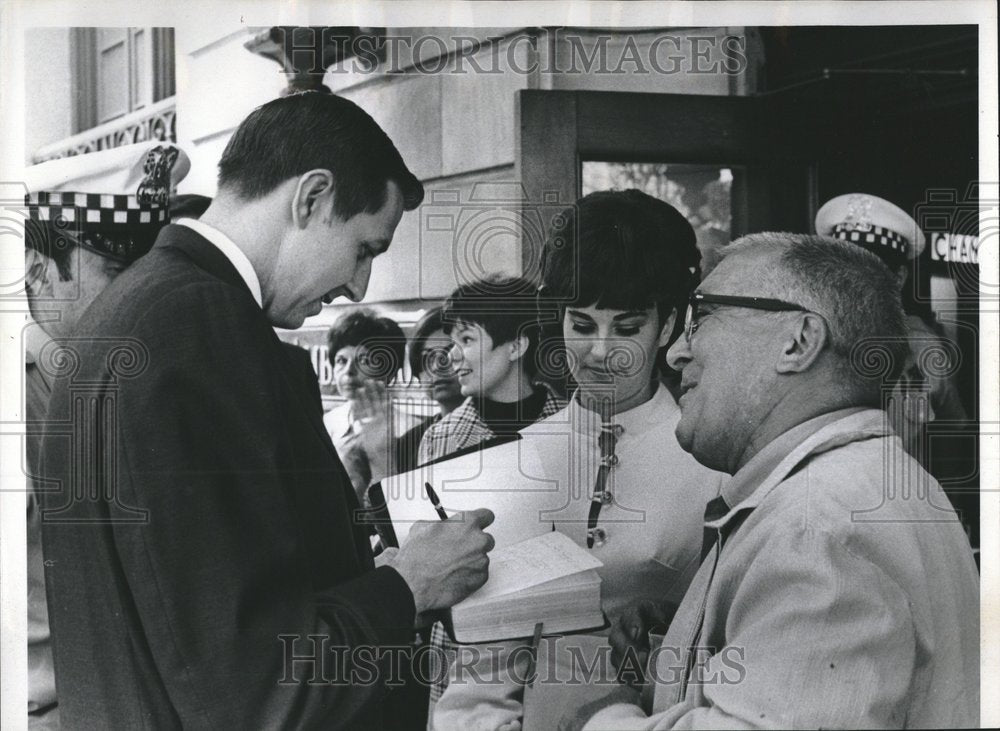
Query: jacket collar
{"x": 203, "y": 252}
{"x": 208, "y": 257}
{"x": 234, "y": 253}
{"x": 776, "y": 461}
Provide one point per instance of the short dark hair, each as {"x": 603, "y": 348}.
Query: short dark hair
{"x": 431, "y": 321}
{"x": 621, "y": 250}
{"x": 505, "y": 307}
{"x": 292, "y": 135}
{"x": 381, "y": 337}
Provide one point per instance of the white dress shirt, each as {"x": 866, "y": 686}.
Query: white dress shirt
{"x": 231, "y": 251}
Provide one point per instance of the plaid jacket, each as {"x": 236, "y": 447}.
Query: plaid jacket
{"x": 464, "y": 427}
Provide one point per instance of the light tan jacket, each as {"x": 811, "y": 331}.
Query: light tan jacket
{"x": 845, "y": 596}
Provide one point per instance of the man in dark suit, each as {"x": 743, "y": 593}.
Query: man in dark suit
{"x": 208, "y": 565}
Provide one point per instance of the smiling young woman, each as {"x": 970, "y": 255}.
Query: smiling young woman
{"x": 493, "y": 326}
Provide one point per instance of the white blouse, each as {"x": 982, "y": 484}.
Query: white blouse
{"x": 653, "y": 526}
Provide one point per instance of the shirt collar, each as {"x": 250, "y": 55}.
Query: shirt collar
{"x": 771, "y": 464}
{"x": 231, "y": 251}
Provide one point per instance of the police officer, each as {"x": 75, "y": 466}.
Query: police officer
{"x": 89, "y": 217}
{"x": 925, "y": 393}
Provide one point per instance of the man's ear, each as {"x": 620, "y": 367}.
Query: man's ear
{"x": 311, "y": 193}
{"x": 517, "y": 348}
{"x": 667, "y": 330}
{"x": 808, "y": 338}
{"x": 37, "y": 277}
{"x": 901, "y": 272}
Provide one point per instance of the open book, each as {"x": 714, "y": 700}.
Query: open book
{"x": 502, "y": 475}
{"x": 547, "y": 579}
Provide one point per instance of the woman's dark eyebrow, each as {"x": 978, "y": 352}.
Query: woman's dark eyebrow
{"x": 631, "y": 313}
{"x": 623, "y": 316}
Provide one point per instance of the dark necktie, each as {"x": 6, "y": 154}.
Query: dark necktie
{"x": 715, "y": 509}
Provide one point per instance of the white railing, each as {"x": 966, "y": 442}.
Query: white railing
{"x": 156, "y": 122}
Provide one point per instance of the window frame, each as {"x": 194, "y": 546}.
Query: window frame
{"x": 85, "y": 73}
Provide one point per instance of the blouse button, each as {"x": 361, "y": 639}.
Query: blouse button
{"x": 599, "y": 535}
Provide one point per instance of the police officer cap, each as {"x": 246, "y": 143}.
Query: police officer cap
{"x": 112, "y": 202}
{"x": 872, "y": 222}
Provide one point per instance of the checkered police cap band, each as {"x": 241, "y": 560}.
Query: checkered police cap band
{"x": 116, "y": 226}
{"x": 871, "y": 236}
{"x": 120, "y": 226}
{"x": 95, "y": 211}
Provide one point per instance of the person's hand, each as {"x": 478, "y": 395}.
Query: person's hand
{"x": 372, "y": 430}
{"x": 629, "y": 637}
{"x": 355, "y": 462}
{"x": 443, "y": 562}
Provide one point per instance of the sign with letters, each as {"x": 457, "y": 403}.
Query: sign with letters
{"x": 954, "y": 248}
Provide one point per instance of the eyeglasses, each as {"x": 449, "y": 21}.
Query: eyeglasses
{"x": 752, "y": 303}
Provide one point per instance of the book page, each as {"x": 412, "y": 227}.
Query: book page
{"x": 508, "y": 479}
{"x": 532, "y": 562}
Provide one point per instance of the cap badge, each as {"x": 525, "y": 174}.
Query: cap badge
{"x": 155, "y": 187}
{"x": 859, "y": 212}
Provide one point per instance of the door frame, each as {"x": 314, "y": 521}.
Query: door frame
{"x": 555, "y": 131}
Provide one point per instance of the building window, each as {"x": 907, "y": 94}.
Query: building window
{"x": 702, "y": 193}
{"x": 118, "y": 71}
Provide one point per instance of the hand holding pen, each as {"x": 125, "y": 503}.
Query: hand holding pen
{"x": 444, "y": 562}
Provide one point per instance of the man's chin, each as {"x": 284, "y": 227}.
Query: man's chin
{"x": 286, "y": 320}
{"x": 685, "y": 436}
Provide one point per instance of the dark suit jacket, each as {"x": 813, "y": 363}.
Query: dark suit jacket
{"x": 201, "y": 531}
{"x": 301, "y": 365}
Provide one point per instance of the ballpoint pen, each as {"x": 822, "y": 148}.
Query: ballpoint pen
{"x": 533, "y": 657}
{"x": 432, "y": 496}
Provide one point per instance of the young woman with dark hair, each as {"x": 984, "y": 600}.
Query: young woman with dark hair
{"x": 617, "y": 274}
